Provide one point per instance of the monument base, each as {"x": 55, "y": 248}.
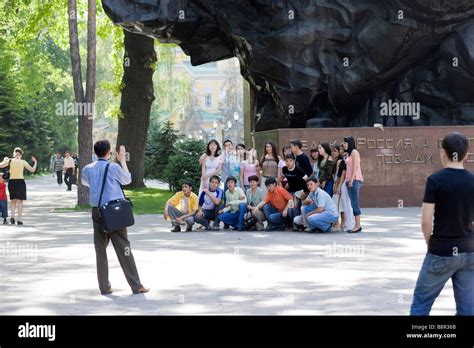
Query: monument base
{"x": 395, "y": 161}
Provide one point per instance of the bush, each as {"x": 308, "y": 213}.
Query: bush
{"x": 161, "y": 138}
{"x": 183, "y": 164}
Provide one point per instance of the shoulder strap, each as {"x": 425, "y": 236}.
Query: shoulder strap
{"x": 103, "y": 183}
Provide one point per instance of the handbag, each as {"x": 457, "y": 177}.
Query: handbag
{"x": 116, "y": 214}
{"x": 6, "y": 172}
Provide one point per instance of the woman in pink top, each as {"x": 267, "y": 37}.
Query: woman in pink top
{"x": 248, "y": 168}
{"x": 354, "y": 179}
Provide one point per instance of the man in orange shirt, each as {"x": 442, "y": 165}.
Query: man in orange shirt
{"x": 275, "y": 205}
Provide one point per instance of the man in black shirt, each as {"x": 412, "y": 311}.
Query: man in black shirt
{"x": 449, "y": 196}
{"x": 302, "y": 160}
{"x": 295, "y": 176}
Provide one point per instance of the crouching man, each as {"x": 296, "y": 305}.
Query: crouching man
{"x": 182, "y": 207}
{"x": 319, "y": 211}
{"x": 210, "y": 202}
{"x": 235, "y": 208}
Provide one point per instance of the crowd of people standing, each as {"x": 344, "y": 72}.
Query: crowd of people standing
{"x": 285, "y": 190}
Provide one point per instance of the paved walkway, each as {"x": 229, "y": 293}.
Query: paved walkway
{"x": 226, "y": 272}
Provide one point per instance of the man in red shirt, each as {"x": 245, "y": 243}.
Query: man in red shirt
{"x": 275, "y": 205}
{"x": 3, "y": 200}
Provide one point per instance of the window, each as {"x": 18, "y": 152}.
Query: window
{"x": 208, "y": 101}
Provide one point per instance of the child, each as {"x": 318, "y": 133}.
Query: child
{"x": 3, "y": 200}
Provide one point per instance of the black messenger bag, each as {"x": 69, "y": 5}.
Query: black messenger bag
{"x": 116, "y": 214}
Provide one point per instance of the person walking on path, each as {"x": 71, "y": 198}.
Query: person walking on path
{"x": 118, "y": 174}
{"x": 16, "y": 183}
{"x": 449, "y": 198}
{"x": 68, "y": 170}
{"x": 58, "y": 168}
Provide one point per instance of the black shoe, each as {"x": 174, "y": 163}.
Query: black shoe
{"x": 5, "y": 222}
{"x": 356, "y": 231}
{"x": 12, "y": 221}
{"x": 107, "y": 292}
{"x": 19, "y": 223}
{"x": 189, "y": 228}
{"x": 177, "y": 228}
{"x": 226, "y": 227}
{"x": 298, "y": 228}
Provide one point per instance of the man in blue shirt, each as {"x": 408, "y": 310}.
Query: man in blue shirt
{"x": 92, "y": 176}
{"x": 210, "y": 202}
{"x": 319, "y": 211}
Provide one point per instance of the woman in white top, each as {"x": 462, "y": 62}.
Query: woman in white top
{"x": 211, "y": 163}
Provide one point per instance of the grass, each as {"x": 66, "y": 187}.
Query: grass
{"x": 148, "y": 200}
{"x": 145, "y": 201}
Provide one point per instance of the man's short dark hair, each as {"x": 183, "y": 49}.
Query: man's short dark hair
{"x": 253, "y": 178}
{"x": 313, "y": 179}
{"x": 456, "y": 145}
{"x": 231, "y": 178}
{"x": 102, "y": 148}
{"x": 297, "y": 143}
{"x": 215, "y": 177}
{"x": 228, "y": 141}
{"x": 291, "y": 157}
{"x": 270, "y": 181}
{"x": 189, "y": 183}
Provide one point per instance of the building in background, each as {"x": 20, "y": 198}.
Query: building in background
{"x": 216, "y": 106}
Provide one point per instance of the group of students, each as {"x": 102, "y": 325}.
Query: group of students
{"x": 287, "y": 192}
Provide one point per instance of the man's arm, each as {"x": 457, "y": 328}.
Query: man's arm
{"x": 123, "y": 176}
{"x": 213, "y": 198}
{"x": 84, "y": 179}
{"x": 427, "y": 212}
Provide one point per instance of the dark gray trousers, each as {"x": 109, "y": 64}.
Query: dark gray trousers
{"x": 122, "y": 249}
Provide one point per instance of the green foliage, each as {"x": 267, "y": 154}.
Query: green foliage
{"x": 34, "y": 76}
{"x": 183, "y": 164}
{"x": 161, "y": 138}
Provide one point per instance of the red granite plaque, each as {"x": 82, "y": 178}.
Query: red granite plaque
{"x": 395, "y": 161}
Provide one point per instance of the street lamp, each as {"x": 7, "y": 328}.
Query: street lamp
{"x": 236, "y": 116}
{"x": 229, "y": 124}
{"x": 215, "y": 124}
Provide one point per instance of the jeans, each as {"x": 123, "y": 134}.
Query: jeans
{"x": 175, "y": 213}
{"x": 4, "y": 208}
{"x": 209, "y": 215}
{"x": 236, "y": 219}
{"x": 435, "y": 272}
{"x": 275, "y": 219}
{"x": 354, "y": 195}
{"x": 59, "y": 176}
{"x": 322, "y": 220}
{"x": 302, "y": 219}
{"x": 68, "y": 178}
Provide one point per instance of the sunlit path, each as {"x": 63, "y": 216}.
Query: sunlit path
{"x": 211, "y": 272}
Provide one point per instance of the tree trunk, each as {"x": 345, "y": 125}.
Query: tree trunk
{"x": 137, "y": 98}
{"x": 85, "y": 121}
